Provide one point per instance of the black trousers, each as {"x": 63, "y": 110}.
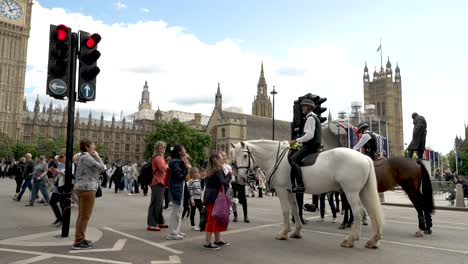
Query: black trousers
{"x": 135, "y": 185}
{"x": 239, "y": 193}
{"x": 57, "y": 198}
{"x": 145, "y": 189}
{"x": 111, "y": 180}
{"x": 193, "y": 209}
{"x": 295, "y": 162}
{"x": 166, "y": 198}
{"x": 19, "y": 182}
{"x": 419, "y": 152}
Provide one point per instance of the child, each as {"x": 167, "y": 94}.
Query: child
{"x": 195, "y": 196}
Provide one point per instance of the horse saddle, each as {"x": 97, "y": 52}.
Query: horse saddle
{"x": 310, "y": 159}
{"x": 379, "y": 161}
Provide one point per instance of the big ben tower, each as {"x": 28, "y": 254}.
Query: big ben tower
{"x": 15, "y": 24}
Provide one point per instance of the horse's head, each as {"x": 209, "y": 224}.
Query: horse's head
{"x": 243, "y": 159}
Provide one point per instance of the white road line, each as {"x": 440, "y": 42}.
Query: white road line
{"x": 438, "y": 221}
{"x": 172, "y": 259}
{"x": 151, "y": 243}
{"x": 242, "y": 230}
{"x": 31, "y": 260}
{"x": 117, "y": 247}
{"x": 51, "y": 255}
{"x": 434, "y": 226}
{"x": 394, "y": 242}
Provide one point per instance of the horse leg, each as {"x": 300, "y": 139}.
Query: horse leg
{"x": 428, "y": 220}
{"x": 356, "y": 206}
{"x": 295, "y": 213}
{"x": 416, "y": 200}
{"x": 284, "y": 200}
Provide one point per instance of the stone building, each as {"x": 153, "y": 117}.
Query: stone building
{"x": 261, "y": 105}
{"x": 14, "y": 34}
{"x": 384, "y": 92}
{"x": 120, "y": 139}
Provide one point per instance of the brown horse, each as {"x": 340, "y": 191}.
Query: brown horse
{"x": 412, "y": 176}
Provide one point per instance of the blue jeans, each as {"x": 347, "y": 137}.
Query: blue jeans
{"x": 129, "y": 184}
{"x": 330, "y": 202}
{"x": 26, "y": 184}
{"x": 39, "y": 185}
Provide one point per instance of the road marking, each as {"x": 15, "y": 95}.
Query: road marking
{"x": 413, "y": 218}
{"x": 172, "y": 259}
{"x": 32, "y": 260}
{"x": 151, "y": 243}
{"x": 242, "y": 230}
{"x": 434, "y": 226}
{"x": 117, "y": 247}
{"x": 51, "y": 255}
{"x": 393, "y": 242}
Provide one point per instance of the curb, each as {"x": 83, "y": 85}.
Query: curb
{"x": 446, "y": 208}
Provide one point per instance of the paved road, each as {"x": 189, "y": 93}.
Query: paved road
{"x": 119, "y": 220}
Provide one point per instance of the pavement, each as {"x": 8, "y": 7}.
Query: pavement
{"x": 118, "y": 226}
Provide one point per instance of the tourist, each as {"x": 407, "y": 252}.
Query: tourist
{"x": 159, "y": 166}
{"x": 89, "y": 167}
{"x": 19, "y": 175}
{"x": 39, "y": 177}
{"x": 179, "y": 167}
{"x": 195, "y": 196}
{"x": 58, "y": 190}
{"x": 27, "y": 175}
{"x": 214, "y": 180}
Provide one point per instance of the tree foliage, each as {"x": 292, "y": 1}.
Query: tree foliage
{"x": 462, "y": 159}
{"x": 196, "y": 143}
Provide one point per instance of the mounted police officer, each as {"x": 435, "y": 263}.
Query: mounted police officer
{"x": 311, "y": 142}
{"x": 368, "y": 142}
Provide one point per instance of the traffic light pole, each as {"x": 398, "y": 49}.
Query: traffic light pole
{"x": 70, "y": 137}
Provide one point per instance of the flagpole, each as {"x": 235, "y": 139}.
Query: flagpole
{"x": 381, "y": 59}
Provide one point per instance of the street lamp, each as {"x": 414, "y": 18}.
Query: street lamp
{"x": 17, "y": 139}
{"x": 274, "y": 92}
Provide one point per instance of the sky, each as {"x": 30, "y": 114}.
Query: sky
{"x": 183, "y": 48}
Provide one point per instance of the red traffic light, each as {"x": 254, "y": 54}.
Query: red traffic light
{"x": 93, "y": 40}
{"x": 62, "y": 32}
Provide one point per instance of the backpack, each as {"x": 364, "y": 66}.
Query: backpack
{"x": 146, "y": 174}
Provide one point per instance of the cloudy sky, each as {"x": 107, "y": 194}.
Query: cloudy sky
{"x": 183, "y": 48}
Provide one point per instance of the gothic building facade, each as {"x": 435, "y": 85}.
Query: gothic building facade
{"x": 384, "y": 92}
{"x": 261, "y": 105}
{"x": 123, "y": 139}
{"x": 14, "y": 33}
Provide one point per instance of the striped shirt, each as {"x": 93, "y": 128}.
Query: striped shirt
{"x": 195, "y": 189}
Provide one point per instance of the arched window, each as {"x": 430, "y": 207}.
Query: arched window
{"x": 223, "y": 132}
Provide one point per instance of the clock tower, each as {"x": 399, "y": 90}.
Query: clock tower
{"x": 15, "y": 24}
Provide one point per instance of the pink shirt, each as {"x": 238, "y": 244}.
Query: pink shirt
{"x": 159, "y": 166}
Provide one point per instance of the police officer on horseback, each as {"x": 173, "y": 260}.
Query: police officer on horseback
{"x": 368, "y": 142}
{"x": 311, "y": 142}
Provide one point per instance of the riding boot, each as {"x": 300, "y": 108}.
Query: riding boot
{"x": 300, "y": 184}
{"x": 293, "y": 180}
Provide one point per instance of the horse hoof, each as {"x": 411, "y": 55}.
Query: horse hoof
{"x": 372, "y": 244}
{"x": 418, "y": 234}
{"x": 281, "y": 237}
{"x": 347, "y": 244}
{"x": 296, "y": 236}
{"x": 428, "y": 231}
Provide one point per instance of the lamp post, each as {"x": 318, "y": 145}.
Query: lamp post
{"x": 274, "y": 92}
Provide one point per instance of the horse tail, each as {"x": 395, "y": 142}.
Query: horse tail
{"x": 370, "y": 196}
{"x": 428, "y": 196}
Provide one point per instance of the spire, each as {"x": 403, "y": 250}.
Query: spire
{"x": 261, "y": 105}
{"x": 50, "y": 111}
{"x": 145, "y": 102}
{"x": 397, "y": 69}
{"x": 365, "y": 67}
{"x": 36, "y": 105}
{"x": 25, "y": 105}
{"x": 262, "y": 85}
{"x": 133, "y": 124}
{"x": 389, "y": 65}
{"x": 44, "y": 110}
{"x": 219, "y": 99}
{"x": 77, "y": 118}
{"x": 90, "y": 118}
{"x": 101, "y": 124}
{"x": 113, "y": 121}
{"x": 158, "y": 115}
{"x": 329, "y": 116}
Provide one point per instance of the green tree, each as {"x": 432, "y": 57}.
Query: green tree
{"x": 175, "y": 132}
{"x": 463, "y": 162}
{"x": 7, "y": 147}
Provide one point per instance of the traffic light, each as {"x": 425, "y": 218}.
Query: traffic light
{"x": 60, "y": 61}
{"x": 318, "y": 107}
{"x": 88, "y": 69}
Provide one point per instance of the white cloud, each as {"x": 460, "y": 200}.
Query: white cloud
{"x": 144, "y": 10}
{"x": 119, "y": 5}
{"x": 183, "y": 72}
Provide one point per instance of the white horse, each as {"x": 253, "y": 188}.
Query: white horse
{"x": 335, "y": 169}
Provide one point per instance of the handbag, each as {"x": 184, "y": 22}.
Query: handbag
{"x": 202, "y": 223}
{"x": 99, "y": 192}
{"x": 221, "y": 208}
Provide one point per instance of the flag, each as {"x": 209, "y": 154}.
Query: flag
{"x": 379, "y": 48}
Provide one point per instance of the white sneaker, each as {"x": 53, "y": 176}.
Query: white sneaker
{"x": 195, "y": 228}
{"x": 174, "y": 237}
{"x": 320, "y": 220}
{"x": 334, "y": 220}
{"x": 129, "y": 194}
{"x": 182, "y": 234}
